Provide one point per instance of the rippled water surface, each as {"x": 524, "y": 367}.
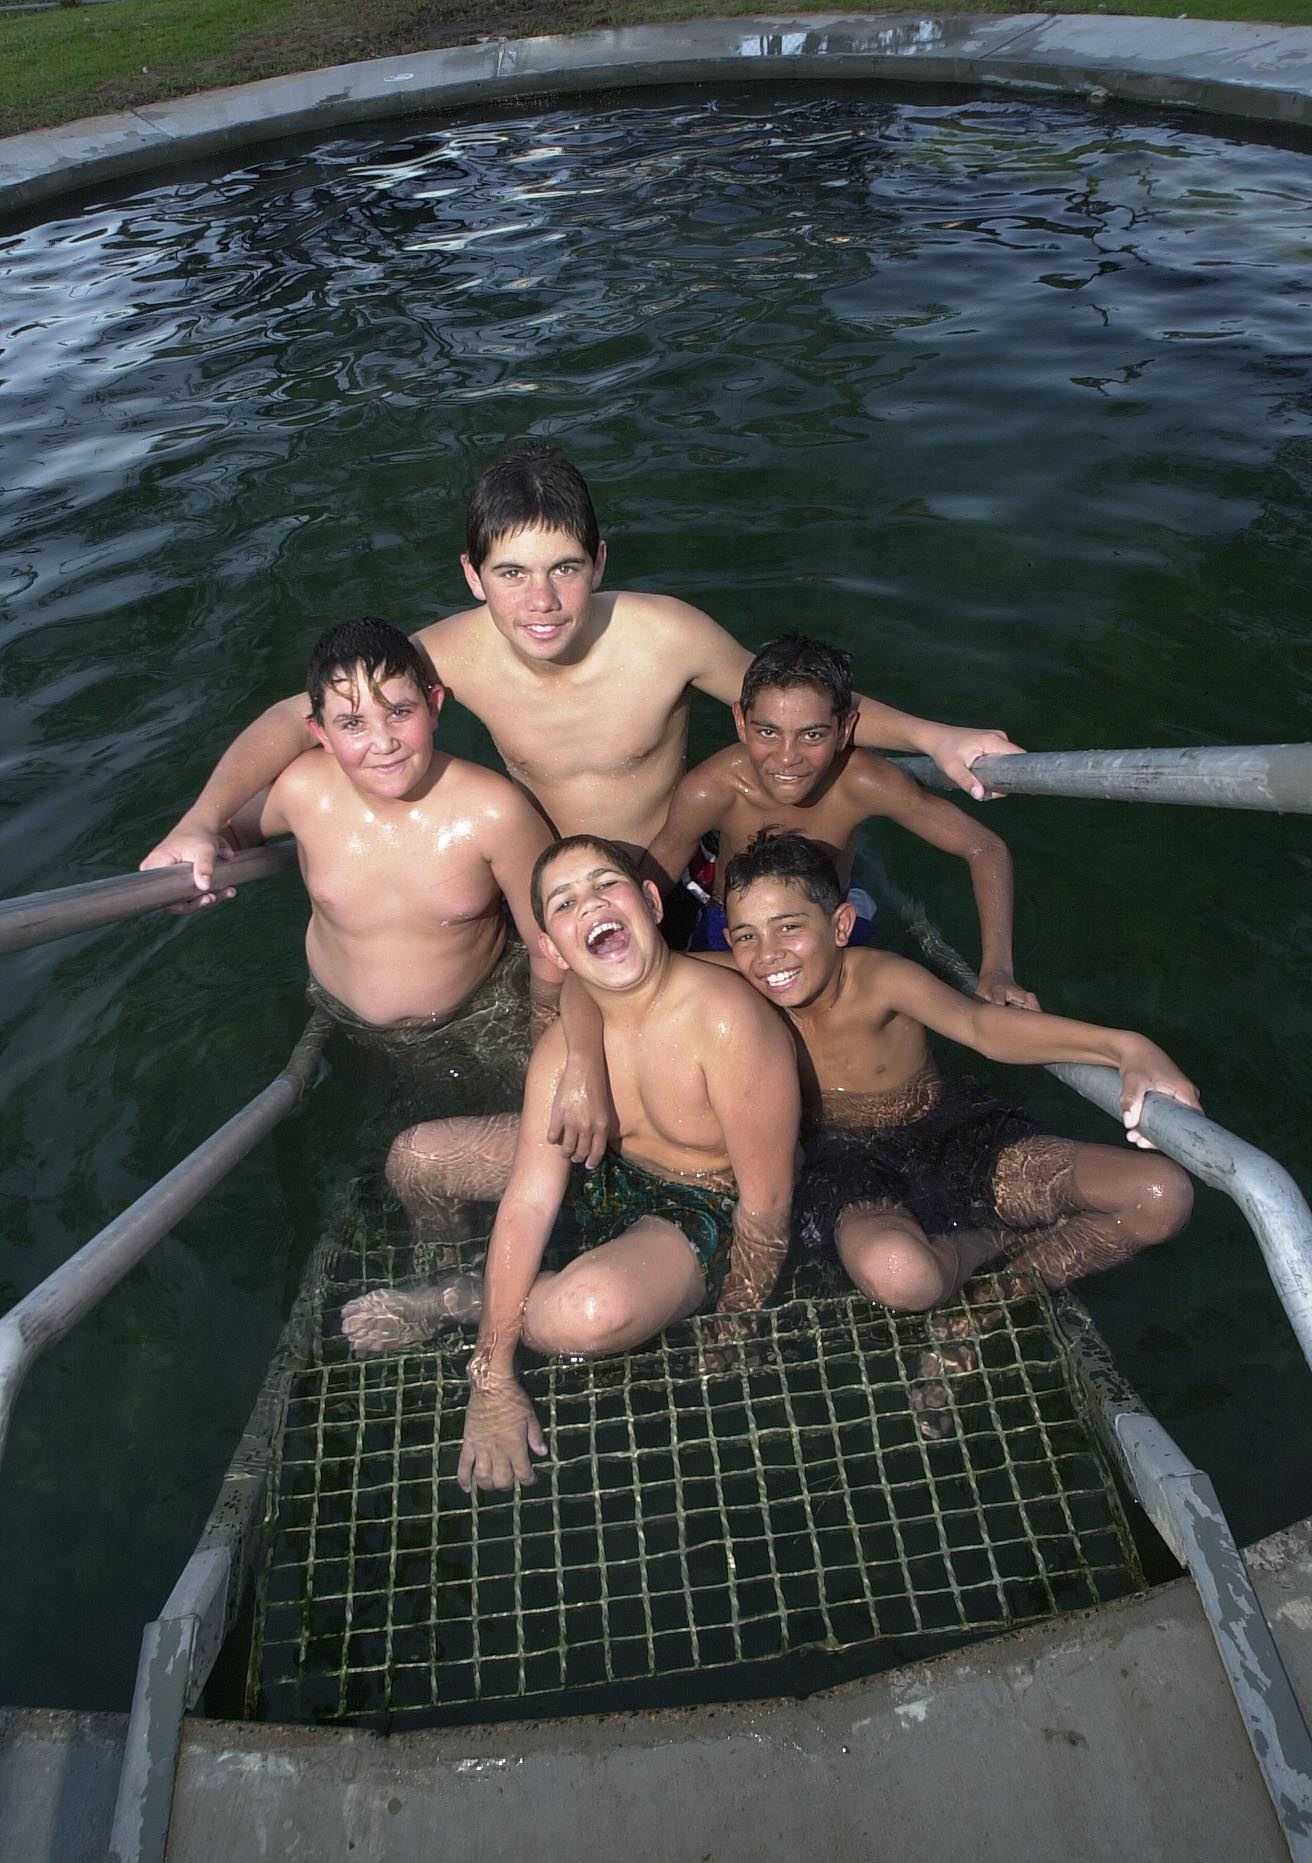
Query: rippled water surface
{"x": 1013, "y": 399}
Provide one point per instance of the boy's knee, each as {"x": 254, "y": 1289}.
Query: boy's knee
{"x": 402, "y": 1162}
{"x": 1167, "y": 1203}
{"x": 588, "y": 1313}
{"x": 890, "y": 1261}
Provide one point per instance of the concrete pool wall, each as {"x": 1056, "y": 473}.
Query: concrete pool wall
{"x": 1257, "y": 73}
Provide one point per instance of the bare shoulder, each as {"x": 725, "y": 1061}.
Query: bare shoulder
{"x": 675, "y": 633}
{"x": 453, "y": 643}
{"x": 716, "y": 778}
{"x": 868, "y": 776}
{"x": 878, "y": 981}
{"x": 667, "y": 611}
{"x": 491, "y": 797}
{"x": 725, "y": 1006}
{"x": 306, "y": 780}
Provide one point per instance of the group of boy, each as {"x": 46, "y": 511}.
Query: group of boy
{"x": 668, "y": 1102}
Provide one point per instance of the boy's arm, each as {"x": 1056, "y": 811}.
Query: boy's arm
{"x": 500, "y": 1425}
{"x": 696, "y": 807}
{"x": 582, "y": 1115}
{"x": 1038, "y": 1039}
{"x": 720, "y": 663}
{"x": 515, "y": 835}
{"x": 892, "y": 793}
{"x": 751, "y": 1080}
{"x": 250, "y": 763}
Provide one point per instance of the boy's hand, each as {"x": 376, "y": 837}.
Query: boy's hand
{"x": 1000, "y": 987}
{"x": 1157, "y": 1074}
{"x": 500, "y": 1429}
{"x": 955, "y": 747}
{"x": 202, "y": 851}
{"x": 581, "y": 1117}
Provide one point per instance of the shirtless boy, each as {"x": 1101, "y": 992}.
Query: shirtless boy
{"x": 692, "y": 1202}
{"x": 917, "y": 1181}
{"x": 795, "y": 768}
{"x": 407, "y": 853}
{"x": 586, "y": 695}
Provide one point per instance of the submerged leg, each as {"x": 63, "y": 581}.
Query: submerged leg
{"x": 892, "y": 1260}
{"x": 1079, "y": 1209}
{"x": 389, "y": 1319}
{"x": 438, "y": 1168}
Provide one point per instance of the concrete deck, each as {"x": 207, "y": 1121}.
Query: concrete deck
{"x": 1096, "y": 1737}
{"x": 1258, "y": 72}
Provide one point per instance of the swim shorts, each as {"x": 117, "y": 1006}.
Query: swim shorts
{"x": 708, "y": 932}
{"x": 612, "y": 1198}
{"x": 939, "y": 1166}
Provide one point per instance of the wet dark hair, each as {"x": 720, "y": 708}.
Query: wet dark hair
{"x": 796, "y": 660}
{"x": 612, "y": 855}
{"x": 530, "y": 486}
{"x": 381, "y": 649}
{"x": 790, "y": 858}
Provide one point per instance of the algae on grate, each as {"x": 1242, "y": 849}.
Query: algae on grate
{"x": 691, "y": 1532}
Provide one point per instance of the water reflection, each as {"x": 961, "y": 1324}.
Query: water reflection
{"x": 1014, "y": 399}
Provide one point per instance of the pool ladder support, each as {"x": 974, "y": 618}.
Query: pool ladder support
{"x": 40, "y": 918}
{"x": 1273, "y": 777}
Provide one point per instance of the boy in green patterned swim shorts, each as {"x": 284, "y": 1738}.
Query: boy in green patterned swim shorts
{"x": 693, "y": 1200}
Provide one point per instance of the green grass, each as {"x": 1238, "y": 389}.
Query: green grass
{"x": 86, "y": 60}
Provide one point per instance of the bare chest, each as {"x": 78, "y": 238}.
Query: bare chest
{"x": 582, "y": 724}
{"x": 829, "y": 822}
{"x": 366, "y": 874}
{"x": 872, "y": 1054}
{"x": 659, "y": 1089}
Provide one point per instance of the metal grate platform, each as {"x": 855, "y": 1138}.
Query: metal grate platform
{"x": 693, "y": 1534}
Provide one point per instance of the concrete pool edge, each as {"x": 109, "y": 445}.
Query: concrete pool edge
{"x": 1258, "y": 73}
{"x": 1117, "y": 1721}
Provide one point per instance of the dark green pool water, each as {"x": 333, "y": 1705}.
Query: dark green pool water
{"x": 1013, "y": 399}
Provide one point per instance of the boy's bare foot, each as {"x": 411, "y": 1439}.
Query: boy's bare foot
{"x": 984, "y": 1298}
{"x": 934, "y": 1418}
{"x": 931, "y": 1398}
{"x": 388, "y": 1319}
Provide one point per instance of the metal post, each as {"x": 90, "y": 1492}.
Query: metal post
{"x": 1181, "y": 1502}
{"x": 60, "y": 1301}
{"x": 179, "y": 1648}
{"x": 1274, "y": 777}
{"x": 1271, "y": 1201}
{"x": 39, "y": 918}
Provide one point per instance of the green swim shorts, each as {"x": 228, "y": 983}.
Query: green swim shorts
{"x": 612, "y": 1198}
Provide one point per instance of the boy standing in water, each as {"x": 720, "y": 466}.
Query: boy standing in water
{"x": 920, "y": 1182}
{"x": 409, "y": 855}
{"x": 586, "y": 694}
{"x": 795, "y": 768}
{"x": 692, "y": 1202}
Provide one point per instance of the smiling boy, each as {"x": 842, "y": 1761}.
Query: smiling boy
{"x": 585, "y": 694}
{"x": 409, "y": 855}
{"x": 917, "y": 1181}
{"x": 692, "y": 1202}
{"x": 795, "y": 769}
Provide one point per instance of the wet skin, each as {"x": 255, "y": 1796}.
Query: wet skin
{"x": 406, "y": 854}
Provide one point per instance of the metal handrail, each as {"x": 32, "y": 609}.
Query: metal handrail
{"x": 1274, "y": 777}
{"x": 55, "y": 1306}
{"x": 1270, "y": 1200}
{"x": 1181, "y": 1502}
{"x": 1275, "y": 1208}
{"x": 40, "y": 918}
{"x": 179, "y": 1648}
